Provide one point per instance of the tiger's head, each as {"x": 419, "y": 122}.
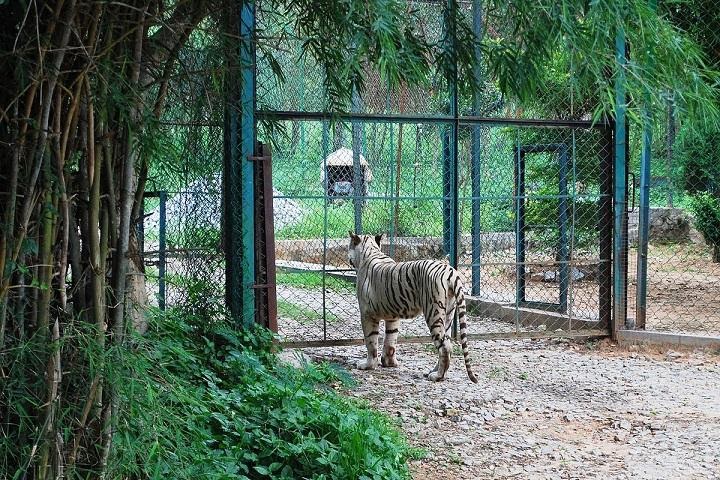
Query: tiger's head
{"x": 360, "y": 245}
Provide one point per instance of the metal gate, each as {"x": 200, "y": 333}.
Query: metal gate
{"x": 524, "y": 209}
{"x": 522, "y": 206}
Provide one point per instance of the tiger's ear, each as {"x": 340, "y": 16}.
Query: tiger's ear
{"x": 355, "y": 240}
{"x": 378, "y": 238}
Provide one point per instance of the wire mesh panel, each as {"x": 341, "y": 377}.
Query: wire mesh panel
{"x": 682, "y": 278}
{"x": 181, "y": 225}
{"x": 402, "y": 172}
{"x": 535, "y": 218}
{"x": 184, "y": 263}
{"x": 316, "y": 176}
{"x": 522, "y": 207}
{"x": 290, "y": 81}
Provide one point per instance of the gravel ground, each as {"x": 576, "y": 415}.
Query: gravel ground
{"x": 552, "y": 409}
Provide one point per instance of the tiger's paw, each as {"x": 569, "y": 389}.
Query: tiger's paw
{"x": 366, "y": 365}
{"x": 435, "y": 377}
{"x": 388, "y": 361}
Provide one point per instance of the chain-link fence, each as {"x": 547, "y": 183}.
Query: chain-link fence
{"x": 523, "y": 207}
{"x": 683, "y": 273}
{"x": 183, "y": 258}
{"x": 180, "y": 231}
{"x": 532, "y": 235}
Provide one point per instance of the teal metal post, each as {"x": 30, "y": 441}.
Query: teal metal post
{"x": 247, "y": 62}
{"x": 238, "y": 188}
{"x": 476, "y": 167}
{"x": 358, "y": 173}
{"x": 620, "y": 190}
{"x": 450, "y": 146}
{"x": 325, "y": 153}
{"x": 162, "y": 251}
{"x": 644, "y": 214}
{"x": 450, "y": 150}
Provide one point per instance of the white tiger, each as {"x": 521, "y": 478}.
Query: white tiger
{"x": 389, "y": 290}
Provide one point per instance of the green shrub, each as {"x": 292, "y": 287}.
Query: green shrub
{"x": 707, "y": 219}
{"x": 698, "y": 153}
{"x": 201, "y": 399}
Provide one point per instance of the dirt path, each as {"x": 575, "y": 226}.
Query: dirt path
{"x": 546, "y": 410}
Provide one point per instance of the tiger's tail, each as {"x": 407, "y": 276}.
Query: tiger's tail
{"x": 462, "y": 320}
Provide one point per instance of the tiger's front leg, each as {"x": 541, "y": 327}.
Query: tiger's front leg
{"x": 370, "y": 327}
{"x": 391, "y": 333}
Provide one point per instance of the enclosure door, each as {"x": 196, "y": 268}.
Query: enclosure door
{"x": 542, "y": 227}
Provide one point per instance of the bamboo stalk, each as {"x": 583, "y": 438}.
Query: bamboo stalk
{"x": 82, "y": 423}
{"x": 77, "y": 290}
{"x": 7, "y": 243}
{"x": 63, "y": 209}
{"x": 47, "y": 218}
{"x": 127, "y": 195}
{"x": 43, "y": 309}
{"x": 94, "y": 174}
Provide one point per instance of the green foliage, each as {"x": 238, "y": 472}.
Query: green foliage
{"x": 313, "y": 280}
{"x": 535, "y": 52}
{"x": 662, "y": 57}
{"x": 199, "y": 398}
{"x": 707, "y": 219}
{"x": 698, "y": 153}
{"x": 303, "y": 314}
{"x": 695, "y": 18}
{"x": 542, "y": 217}
{"x": 416, "y": 218}
{"x": 202, "y": 399}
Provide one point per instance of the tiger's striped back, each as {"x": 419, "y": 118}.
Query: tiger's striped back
{"x": 392, "y": 290}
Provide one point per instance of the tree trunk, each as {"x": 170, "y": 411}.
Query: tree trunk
{"x": 716, "y": 253}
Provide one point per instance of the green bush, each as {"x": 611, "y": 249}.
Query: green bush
{"x": 707, "y": 219}
{"x": 698, "y": 153}
{"x": 201, "y": 399}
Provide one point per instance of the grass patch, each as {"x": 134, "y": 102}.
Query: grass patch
{"x": 303, "y": 314}
{"x": 498, "y": 373}
{"x": 313, "y": 280}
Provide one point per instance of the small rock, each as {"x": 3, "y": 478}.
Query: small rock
{"x": 457, "y": 440}
{"x": 625, "y": 425}
{"x": 673, "y": 355}
{"x": 501, "y": 471}
{"x": 656, "y": 426}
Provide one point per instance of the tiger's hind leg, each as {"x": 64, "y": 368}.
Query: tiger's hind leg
{"x": 435, "y": 317}
{"x": 391, "y": 333}
{"x": 449, "y": 317}
{"x": 370, "y": 327}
